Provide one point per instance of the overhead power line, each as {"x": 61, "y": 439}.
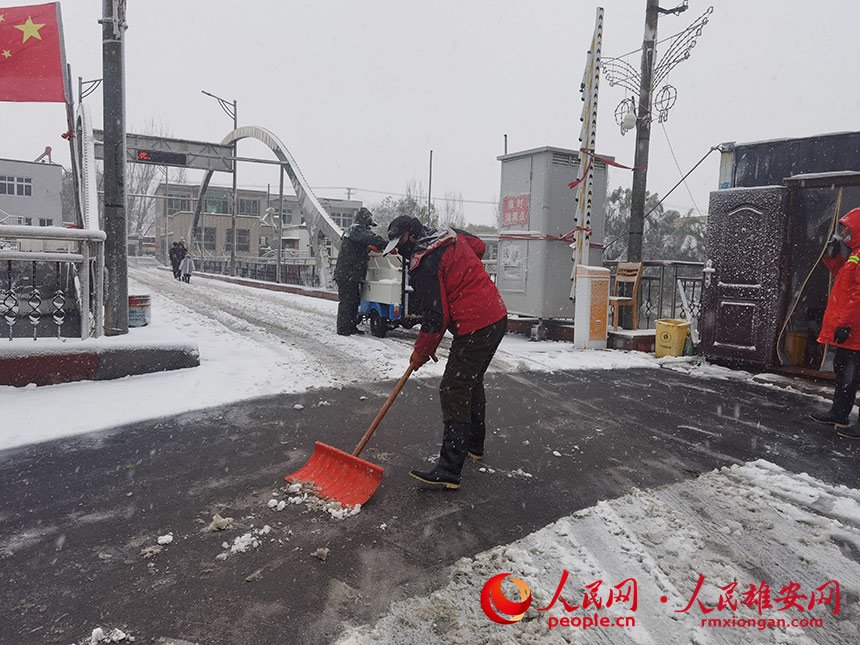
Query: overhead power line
{"x": 386, "y": 192}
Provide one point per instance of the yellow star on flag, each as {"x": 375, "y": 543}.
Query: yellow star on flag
{"x": 30, "y": 29}
{"x": 6, "y": 53}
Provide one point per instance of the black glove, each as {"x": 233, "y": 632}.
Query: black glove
{"x": 834, "y": 246}
{"x": 841, "y": 335}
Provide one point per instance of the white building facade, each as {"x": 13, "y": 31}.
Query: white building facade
{"x": 31, "y": 193}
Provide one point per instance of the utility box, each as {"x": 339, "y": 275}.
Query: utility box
{"x": 592, "y": 307}
{"x": 538, "y": 212}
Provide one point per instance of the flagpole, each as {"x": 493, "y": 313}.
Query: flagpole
{"x": 70, "y": 117}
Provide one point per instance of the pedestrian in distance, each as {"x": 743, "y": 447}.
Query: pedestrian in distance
{"x": 841, "y": 325}
{"x": 174, "y": 259}
{"x": 351, "y": 269}
{"x": 186, "y": 267}
{"x": 452, "y": 291}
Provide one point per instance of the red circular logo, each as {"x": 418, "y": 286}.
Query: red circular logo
{"x": 493, "y": 598}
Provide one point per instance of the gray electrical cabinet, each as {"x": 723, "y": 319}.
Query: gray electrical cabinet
{"x": 537, "y": 213}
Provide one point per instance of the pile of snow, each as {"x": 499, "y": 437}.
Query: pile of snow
{"x": 116, "y": 635}
{"x": 722, "y": 526}
{"x": 308, "y": 493}
{"x": 244, "y": 543}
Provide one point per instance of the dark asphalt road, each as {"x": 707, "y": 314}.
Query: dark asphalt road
{"x": 75, "y": 513}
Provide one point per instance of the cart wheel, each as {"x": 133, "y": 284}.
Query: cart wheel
{"x": 378, "y": 325}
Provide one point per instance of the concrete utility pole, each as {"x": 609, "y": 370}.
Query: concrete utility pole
{"x": 643, "y": 135}
{"x": 116, "y": 244}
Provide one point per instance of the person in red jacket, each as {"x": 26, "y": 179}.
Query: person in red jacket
{"x": 452, "y": 291}
{"x": 841, "y": 324}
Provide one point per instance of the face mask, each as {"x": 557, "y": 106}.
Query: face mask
{"x": 406, "y": 248}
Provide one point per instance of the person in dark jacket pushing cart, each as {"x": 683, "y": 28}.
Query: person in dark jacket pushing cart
{"x": 452, "y": 291}
{"x": 351, "y": 269}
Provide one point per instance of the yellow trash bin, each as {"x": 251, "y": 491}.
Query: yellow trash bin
{"x": 670, "y": 338}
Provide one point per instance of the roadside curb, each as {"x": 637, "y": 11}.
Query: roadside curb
{"x": 53, "y": 365}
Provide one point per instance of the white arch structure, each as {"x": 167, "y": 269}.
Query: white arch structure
{"x": 320, "y": 225}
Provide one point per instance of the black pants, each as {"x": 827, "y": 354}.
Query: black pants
{"x": 463, "y": 381}
{"x": 176, "y": 273}
{"x": 846, "y": 366}
{"x": 349, "y": 296}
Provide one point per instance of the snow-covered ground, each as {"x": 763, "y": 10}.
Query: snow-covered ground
{"x": 745, "y": 523}
{"x": 740, "y": 524}
{"x": 252, "y": 343}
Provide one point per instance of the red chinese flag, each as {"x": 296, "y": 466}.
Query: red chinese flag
{"x": 31, "y": 61}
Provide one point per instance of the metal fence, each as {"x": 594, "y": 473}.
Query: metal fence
{"x": 661, "y": 287}
{"x": 51, "y": 293}
{"x": 294, "y": 270}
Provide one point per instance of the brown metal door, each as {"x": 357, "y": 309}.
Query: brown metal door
{"x": 741, "y": 302}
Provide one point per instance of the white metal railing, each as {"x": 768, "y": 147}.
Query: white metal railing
{"x": 85, "y": 254}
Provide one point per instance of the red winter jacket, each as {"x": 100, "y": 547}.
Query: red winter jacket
{"x": 843, "y": 306}
{"x": 452, "y": 289}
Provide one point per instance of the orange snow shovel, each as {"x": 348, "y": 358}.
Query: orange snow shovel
{"x": 344, "y": 477}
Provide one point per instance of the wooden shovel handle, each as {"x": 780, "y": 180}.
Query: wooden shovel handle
{"x": 382, "y": 412}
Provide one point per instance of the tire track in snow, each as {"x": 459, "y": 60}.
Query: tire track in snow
{"x": 267, "y": 317}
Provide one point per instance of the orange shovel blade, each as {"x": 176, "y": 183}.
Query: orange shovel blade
{"x": 339, "y": 476}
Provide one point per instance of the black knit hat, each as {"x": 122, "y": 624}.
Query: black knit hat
{"x": 399, "y": 226}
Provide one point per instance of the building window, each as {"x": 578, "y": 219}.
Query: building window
{"x": 243, "y": 239}
{"x": 22, "y": 186}
{"x": 344, "y": 220}
{"x": 217, "y": 203}
{"x": 249, "y": 207}
{"x": 27, "y": 221}
{"x": 45, "y": 222}
{"x": 209, "y": 238}
{"x": 177, "y": 203}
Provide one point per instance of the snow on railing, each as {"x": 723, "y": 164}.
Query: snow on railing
{"x": 84, "y": 255}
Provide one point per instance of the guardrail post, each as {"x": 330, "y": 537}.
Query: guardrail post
{"x": 85, "y": 290}
{"x": 99, "y": 306}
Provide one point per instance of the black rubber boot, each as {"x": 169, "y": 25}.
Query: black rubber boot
{"x": 477, "y": 431}
{"x": 446, "y": 474}
{"x": 850, "y": 433}
{"x": 830, "y": 418}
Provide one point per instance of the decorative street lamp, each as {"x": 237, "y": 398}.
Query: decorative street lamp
{"x": 629, "y": 114}
{"x": 231, "y": 109}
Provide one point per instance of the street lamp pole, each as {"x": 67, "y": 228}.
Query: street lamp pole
{"x": 232, "y": 110}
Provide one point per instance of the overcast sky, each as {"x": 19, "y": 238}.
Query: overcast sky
{"x": 360, "y": 92}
